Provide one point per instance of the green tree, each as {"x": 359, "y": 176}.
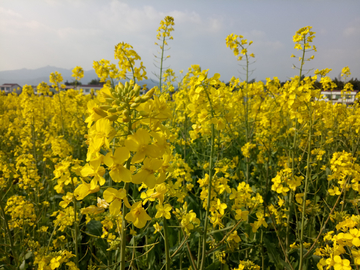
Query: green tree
{"x": 95, "y": 82}
{"x": 75, "y": 82}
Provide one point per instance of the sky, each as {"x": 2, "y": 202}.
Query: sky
{"x": 69, "y": 33}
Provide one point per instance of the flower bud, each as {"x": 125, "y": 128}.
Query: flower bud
{"x": 137, "y": 89}
{"x": 112, "y": 91}
{"x": 109, "y": 100}
{"x": 120, "y": 85}
{"x": 112, "y": 110}
{"x": 126, "y": 112}
{"x": 105, "y": 95}
{"x": 105, "y": 107}
{"x": 116, "y": 95}
{"x": 144, "y": 98}
{"x": 100, "y": 112}
{"x": 112, "y": 117}
{"x": 150, "y": 92}
{"x": 127, "y": 84}
{"x": 122, "y": 106}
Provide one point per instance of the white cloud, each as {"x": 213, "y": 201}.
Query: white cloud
{"x": 35, "y": 25}
{"x": 258, "y": 34}
{"x": 70, "y": 33}
{"x": 125, "y": 19}
{"x": 8, "y": 13}
{"x": 353, "y": 29}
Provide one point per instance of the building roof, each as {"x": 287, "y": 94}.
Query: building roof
{"x": 11, "y": 84}
{"x": 91, "y": 85}
{"x": 337, "y": 90}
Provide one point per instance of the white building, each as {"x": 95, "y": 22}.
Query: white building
{"x": 11, "y": 87}
{"x": 335, "y": 97}
{"x": 87, "y": 88}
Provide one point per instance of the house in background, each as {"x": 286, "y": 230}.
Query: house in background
{"x": 11, "y": 87}
{"x": 14, "y": 87}
{"x": 335, "y": 97}
{"x": 87, "y": 88}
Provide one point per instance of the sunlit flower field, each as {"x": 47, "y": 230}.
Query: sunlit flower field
{"x": 192, "y": 174}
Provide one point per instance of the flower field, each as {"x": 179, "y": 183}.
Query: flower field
{"x": 192, "y": 174}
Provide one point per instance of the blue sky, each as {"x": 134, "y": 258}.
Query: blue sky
{"x": 69, "y": 33}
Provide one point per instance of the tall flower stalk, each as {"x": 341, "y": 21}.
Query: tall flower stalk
{"x": 164, "y": 34}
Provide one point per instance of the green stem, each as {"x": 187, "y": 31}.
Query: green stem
{"x": 161, "y": 63}
{"x": 307, "y": 170}
{"x": 123, "y": 233}
{"x": 190, "y": 256}
{"x": 211, "y": 167}
{"x": 51, "y": 236}
{"x": 166, "y": 238}
{"x": 307, "y": 177}
{"x": 198, "y": 253}
{"x": 61, "y": 111}
{"x": 289, "y": 202}
{"x": 209, "y": 196}
{"x": 124, "y": 211}
{"x": 262, "y": 249}
{"x": 179, "y": 236}
{"x": 8, "y": 233}
{"x": 75, "y": 228}
{"x": 323, "y": 226}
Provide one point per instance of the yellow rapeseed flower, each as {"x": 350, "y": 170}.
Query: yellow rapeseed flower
{"x": 137, "y": 215}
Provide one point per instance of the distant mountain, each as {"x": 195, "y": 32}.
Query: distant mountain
{"x": 36, "y": 76}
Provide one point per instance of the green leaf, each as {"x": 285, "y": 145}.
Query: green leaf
{"x": 274, "y": 255}
{"x": 151, "y": 258}
{"x": 28, "y": 255}
{"x": 94, "y": 227}
{"x": 268, "y": 197}
{"x": 214, "y": 266}
{"x": 23, "y": 265}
